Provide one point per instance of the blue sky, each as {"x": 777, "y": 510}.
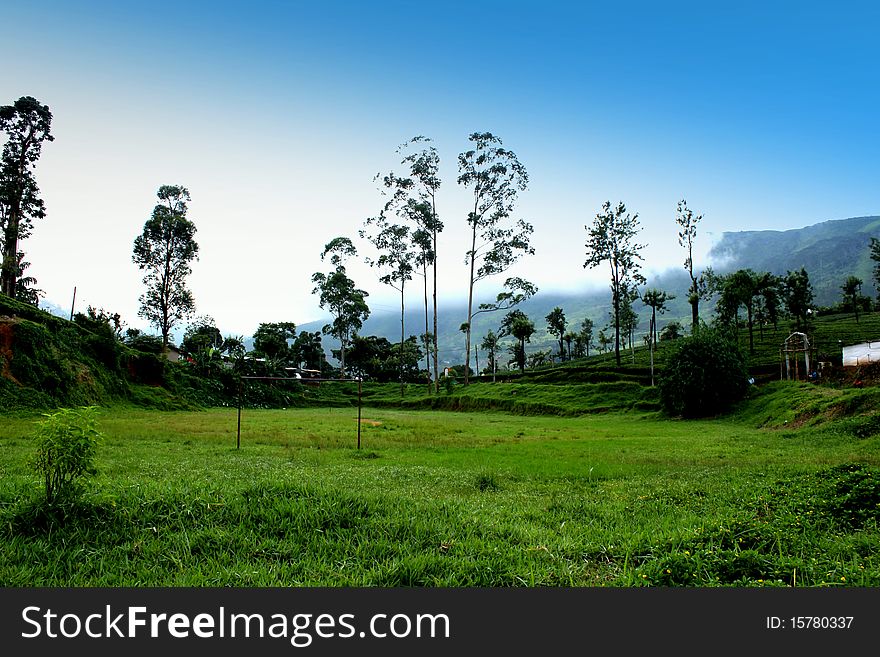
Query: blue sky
{"x": 277, "y": 115}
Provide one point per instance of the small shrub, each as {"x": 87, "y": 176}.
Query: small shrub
{"x": 66, "y": 444}
{"x": 486, "y": 482}
{"x": 705, "y": 375}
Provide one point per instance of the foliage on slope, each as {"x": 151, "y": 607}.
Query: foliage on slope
{"x": 48, "y": 362}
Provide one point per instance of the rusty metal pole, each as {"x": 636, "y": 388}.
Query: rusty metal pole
{"x": 359, "y": 412}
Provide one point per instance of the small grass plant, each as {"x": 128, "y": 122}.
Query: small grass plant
{"x": 66, "y": 446}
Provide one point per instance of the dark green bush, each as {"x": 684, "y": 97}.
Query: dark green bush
{"x": 705, "y": 375}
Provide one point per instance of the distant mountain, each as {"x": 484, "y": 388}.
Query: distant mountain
{"x": 830, "y": 252}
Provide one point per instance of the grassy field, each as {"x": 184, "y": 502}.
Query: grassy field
{"x": 439, "y": 498}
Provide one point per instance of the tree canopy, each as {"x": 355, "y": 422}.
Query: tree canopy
{"x": 164, "y": 251}
{"x": 27, "y": 124}
{"x": 517, "y": 324}
{"x": 705, "y": 375}
{"x": 611, "y": 239}
{"x": 495, "y": 176}
{"x": 339, "y": 295}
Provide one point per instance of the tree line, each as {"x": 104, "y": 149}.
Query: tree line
{"x": 403, "y": 235}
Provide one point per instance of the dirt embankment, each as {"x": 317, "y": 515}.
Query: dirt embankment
{"x": 7, "y": 333}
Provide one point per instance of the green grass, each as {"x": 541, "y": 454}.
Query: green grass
{"x": 570, "y": 399}
{"x": 437, "y": 498}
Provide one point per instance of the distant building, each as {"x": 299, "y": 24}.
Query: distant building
{"x": 861, "y": 354}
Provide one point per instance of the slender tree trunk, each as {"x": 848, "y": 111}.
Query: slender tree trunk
{"x": 632, "y": 348}
{"x": 617, "y": 329}
{"x": 427, "y": 344}
{"x": 615, "y": 298}
{"x": 436, "y": 337}
{"x": 653, "y": 330}
{"x": 751, "y": 339}
{"x": 402, "y": 335}
{"x": 341, "y": 358}
{"x": 467, "y": 351}
{"x": 10, "y": 254}
{"x": 166, "y": 294}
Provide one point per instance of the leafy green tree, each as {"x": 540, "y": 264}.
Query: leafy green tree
{"x": 629, "y": 320}
{"x": 376, "y": 359}
{"x": 604, "y": 340}
{"x": 164, "y": 250}
{"x": 705, "y": 375}
{"x": 517, "y": 324}
{"x": 656, "y": 300}
{"x": 584, "y": 338}
{"x": 797, "y": 293}
{"x": 308, "y": 351}
{"x": 495, "y": 177}
{"x": 203, "y": 343}
{"x": 339, "y": 295}
{"x": 418, "y": 192}
{"x": 672, "y": 331}
{"x": 611, "y": 239}
{"x": 515, "y": 291}
{"x": 201, "y": 334}
{"x": 110, "y": 324}
{"x": 272, "y": 342}
{"x": 539, "y": 358}
{"x": 27, "y": 124}
{"x": 397, "y": 258}
{"x": 701, "y": 287}
{"x": 770, "y": 288}
{"x": 26, "y": 289}
{"x": 741, "y": 288}
{"x": 490, "y": 346}
{"x": 233, "y": 347}
{"x": 556, "y": 325}
{"x": 569, "y": 338}
{"x": 852, "y": 294}
{"x": 144, "y": 342}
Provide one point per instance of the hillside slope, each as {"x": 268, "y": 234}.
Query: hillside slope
{"x": 47, "y": 361}
{"x": 830, "y": 252}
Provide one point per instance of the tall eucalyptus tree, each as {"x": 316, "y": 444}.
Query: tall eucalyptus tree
{"x": 495, "y": 176}
{"x": 611, "y": 239}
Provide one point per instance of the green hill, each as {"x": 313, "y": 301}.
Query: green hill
{"x": 830, "y": 252}
{"x": 47, "y": 362}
